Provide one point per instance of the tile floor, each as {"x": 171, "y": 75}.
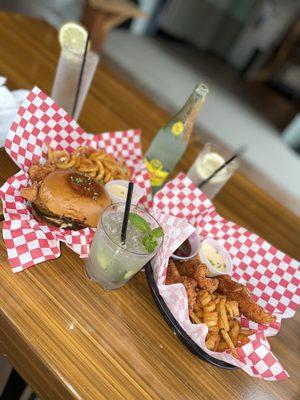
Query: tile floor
{"x": 5, "y": 370}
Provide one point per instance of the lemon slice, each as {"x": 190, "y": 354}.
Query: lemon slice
{"x": 212, "y": 161}
{"x": 209, "y": 164}
{"x": 72, "y": 36}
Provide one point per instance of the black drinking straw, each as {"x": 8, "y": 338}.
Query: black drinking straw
{"x": 81, "y": 74}
{"x": 237, "y": 154}
{"x": 126, "y": 212}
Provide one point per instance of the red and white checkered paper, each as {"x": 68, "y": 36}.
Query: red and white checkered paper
{"x": 41, "y": 123}
{"x": 272, "y": 277}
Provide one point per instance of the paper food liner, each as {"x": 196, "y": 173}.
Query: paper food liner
{"x": 40, "y": 123}
{"x": 272, "y": 277}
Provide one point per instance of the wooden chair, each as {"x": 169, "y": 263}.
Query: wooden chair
{"x": 101, "y": 16}
{"x": 285, "y": 52}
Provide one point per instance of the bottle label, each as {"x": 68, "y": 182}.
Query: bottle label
{"x": 157, "y": 174}
{"x": 177, "y": 128}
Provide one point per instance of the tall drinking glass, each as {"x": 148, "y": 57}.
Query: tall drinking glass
{"x": 110, "y": 262}
{"x": 208, "y": 160}
{"x": 67, "y": 77}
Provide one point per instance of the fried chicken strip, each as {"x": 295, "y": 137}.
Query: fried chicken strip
{"x": 190, "y": 286}
{"x": 193, "y": 268}
{"x": 228, "y": 285}
{"x": 173, "y": 276}
{"x": 189, "y": 283}
{"x": 188, "y": 267}
{"x": 251, "y": 310}
{"x": 247, "y": 306}
{"x": 204, "y": 283}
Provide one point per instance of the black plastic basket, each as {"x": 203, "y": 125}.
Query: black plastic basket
{"x": 176, "y": 328}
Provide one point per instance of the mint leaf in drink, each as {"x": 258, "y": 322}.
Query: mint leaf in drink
{"x": 149, "y": 243}
{"x": 146, "y": 241}
{"x": 149, "y": 240}
{"x": 139, "y": 223}
{"x": 157, "y": 232}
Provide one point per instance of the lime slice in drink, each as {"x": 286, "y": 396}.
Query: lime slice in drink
{"x": 128, "y": 274}
{"x": 111, "y": 270}
{"x": 103, "y": 261}
{"x": 72, "y": 36}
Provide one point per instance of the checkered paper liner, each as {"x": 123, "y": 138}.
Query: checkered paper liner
{"x": 40, "y": 123}
{"x": 272, "y": 277}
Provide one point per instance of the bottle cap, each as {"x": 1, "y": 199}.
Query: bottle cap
{"x": 201, "y": 89}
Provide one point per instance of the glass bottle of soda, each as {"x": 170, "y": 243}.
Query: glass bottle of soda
{"x": 170, "y": 142}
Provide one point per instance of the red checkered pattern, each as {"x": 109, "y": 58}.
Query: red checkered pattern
{"x": 181, "y": 198}
{"x": 41, "y": 123}
{"x": 272, "y": 277}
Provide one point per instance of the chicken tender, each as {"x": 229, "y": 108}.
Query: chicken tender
{"x": 250, "y": 309}
{"x": 193, "y": 268}
{"x": 189, "y": 283}
{"x": 204, "y": 283}
{"x": 173, "y": 275}
{"x": 227, "y": 285}
{"x": 247, "y": 306}
{"x": 188, "y": 267}
{"x": 190, "y": 286}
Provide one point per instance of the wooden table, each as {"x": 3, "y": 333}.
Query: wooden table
{"x": 70, "y": 339}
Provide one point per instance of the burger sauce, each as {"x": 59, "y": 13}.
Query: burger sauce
{"x": 85, "y": 185}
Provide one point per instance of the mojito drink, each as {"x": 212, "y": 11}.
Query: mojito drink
{"x": 111, "y": 262}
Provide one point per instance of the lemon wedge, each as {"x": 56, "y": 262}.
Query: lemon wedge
{"x": 212, "y": 161}
{"x": 72, "y": 36}
{"x": 209, "y": 164}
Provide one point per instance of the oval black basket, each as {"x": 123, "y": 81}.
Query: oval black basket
{"x": 176, "y": 328}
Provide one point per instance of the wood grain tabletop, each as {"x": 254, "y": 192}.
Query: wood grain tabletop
{"x": 68, "y": 338}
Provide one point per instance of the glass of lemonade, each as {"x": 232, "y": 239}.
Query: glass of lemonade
{"x": 67, "y": 76}
{"x": 208, "y": 160}
{"x": 112, "y": 263}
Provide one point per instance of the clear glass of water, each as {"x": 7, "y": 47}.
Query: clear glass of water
{"x": 67, "y": 77}
{"x": 208, "y": 160}
{"x": 110, "y": 262}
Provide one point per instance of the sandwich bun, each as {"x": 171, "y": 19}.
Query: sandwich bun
{"x": 70, "y": 199}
